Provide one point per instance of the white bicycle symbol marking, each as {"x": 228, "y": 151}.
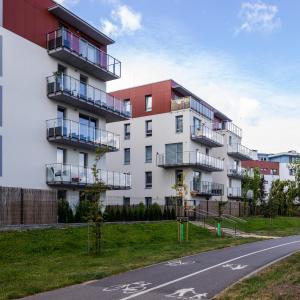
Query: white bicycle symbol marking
{"x": 128, "y": 288}
{"x": 188, "y": 294}
{"x": 176, "y": 263}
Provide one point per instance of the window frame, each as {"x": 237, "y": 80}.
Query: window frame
{"x": 177, "y": 128}
{"x": 147, "y": 97}
{"x": 127, "y": 150}
{"x": 126, "y": 133}
{"x": 148, "y": 185}
{"x": 151, "y": 158}
{"x": 148, "y": 132}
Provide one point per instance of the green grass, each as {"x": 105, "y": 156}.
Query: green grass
{"x": 280, "y": 281}
{"x": 278, "y": 226}
{"x": 40, "y": 260}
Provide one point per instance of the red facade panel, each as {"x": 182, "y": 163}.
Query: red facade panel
{"x": 265, "y": 167}
{"x": 161, "y": 98}
{"x": 31, "y": 20}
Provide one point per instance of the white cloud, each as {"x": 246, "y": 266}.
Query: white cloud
{"x": 268, "y": 117}
{"x": 67, "y": 3}
{"x": 124, "y": 20}
{"x": 259, "y": 17}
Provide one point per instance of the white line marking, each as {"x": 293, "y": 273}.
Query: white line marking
{"x": 203, "y": 270}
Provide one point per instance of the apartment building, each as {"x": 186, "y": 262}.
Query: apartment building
{"x": 53, "y": 101}
{"x": 174, "y": 134}
{"x": 270, "y": 171}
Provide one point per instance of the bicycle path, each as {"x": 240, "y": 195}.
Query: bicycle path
{"x": 196, "y": 277}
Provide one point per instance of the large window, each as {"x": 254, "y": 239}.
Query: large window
{"x": 126, "y": 156}
{"x": 87, "y": 129}
{"x": 61, "y": 156}
{"x": 148, "y": 154}
{"x": 148, "y": 180}
{"x": 126, "y": 131}
{"x": 148, "y": 128}
{"x": 126, "y": 201}
{"x": 197, "y": 123}
{"x": 179, "y": 124}
{"x": 174, "y": 153}
{"x": 148, "y": 102}
{"x": 148, "y": 201}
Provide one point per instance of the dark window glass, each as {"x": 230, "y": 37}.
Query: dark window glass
{"x": 148, "y": 201}
{"x": 149, "y": 128}
{"x": 148, "y": 179}
{"x": 179, "y": 124}
{"x": 126, "y": 201}
{"x": 178, "y": 176}
{"x": 126, "y": 131}
{"x": 126, "y": 156}
{"x": 148, "y": 154}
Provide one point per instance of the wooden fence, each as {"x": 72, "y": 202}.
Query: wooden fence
{"x": 27, "y": 206}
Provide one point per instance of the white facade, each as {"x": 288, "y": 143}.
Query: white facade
{"x": 163, "y": 178}
{"x": 26, "y": 107}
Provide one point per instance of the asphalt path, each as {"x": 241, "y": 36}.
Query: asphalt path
{"x": 195, "y": 277}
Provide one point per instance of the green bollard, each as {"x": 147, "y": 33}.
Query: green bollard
{"x": 181, "y": 232}
{"x": 219, "y": 230}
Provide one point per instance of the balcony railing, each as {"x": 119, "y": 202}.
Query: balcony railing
{"x": 228, "y": 126}
{"x": 190, "y": 102}
{"x": 72, "y": 91}
{"x": 206, "y": 188}
{"x": 207, "y": 136}
{"x": 65, "y": 45}
{"x": 234, "y": 192}
{"x": 69, "y": 175}
{"x": 241, "y": 152}
{"x": 236, "y": 172}
{"x": 76, "y": 134}
{"x": 196, "y": 159}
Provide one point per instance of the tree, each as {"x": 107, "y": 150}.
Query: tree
{"x": 95, "y": 212}
{"x": 181, "y": 191}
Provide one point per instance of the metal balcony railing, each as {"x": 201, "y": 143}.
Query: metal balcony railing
{"x": 76, "y": 90}
{"x": 207, "y": 136}
{"x": 240, "y": 151}
{"x": 69, "y": 175}
{"x": 75, "y": 132}
{"x": 206, "y": 188}
{"x": 234, "y": 192}
{"x": 236, "y": 172}
{"x": 228, "y": 126}
{"x": 190, "y": 102}
{"x": 87, "y": 52}
{"x": 190, "y": 158}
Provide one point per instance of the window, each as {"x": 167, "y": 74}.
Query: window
{"x": 126, "y": 156}
{"x": 207, "y": 151}
{"x": 148, "y": 102}
{"x": 292, "y": 172}
{"x": 197, "y": 123}
{"x": 174, "y": 153}
{"x": 230, "y": 140}
{"x": 60, "y": 113}
{"x": 127, "y": 105}
{"x": 148, "y": 201}
{"x": 87, "y": 128}
{"x": 61, "y": 69}
{"x": 126, "y": 131}
{"x": 148, "y": 154}
{"x": 149, "y": 128}
{"x": 62, "y": 195}
{"x": 83, "y": 87}
{"x": 126, "y": 201}
{"x": 179, "y": 177}
{"x": 148, "y": 180}
{"x": 61, "y": 156}
{"x": 179, "y": 124}
{"x": 83, "y": 160}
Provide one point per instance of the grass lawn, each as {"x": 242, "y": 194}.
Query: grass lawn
{"x": 278, "y": 226}
{"x": 280, "y": 281}
{"x": 40, "y": 260}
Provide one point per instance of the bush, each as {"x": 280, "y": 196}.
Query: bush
{"x": 82, "y": 211}
{"x": 64, "y": 212}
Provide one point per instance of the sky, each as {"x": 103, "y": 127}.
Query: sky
{"x": 242, "y": 57}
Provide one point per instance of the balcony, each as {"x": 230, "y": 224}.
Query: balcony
{"x": 240, "y": 152}
{"x": 65, "y": 175}
{"x": 228, "y": 126}
{"x": 234, "y": 193}
{"x": 70, "y": 48}
{"x": 190, "y": 102}
{"x": 66, "y": 89}
{"x": 206, "y": 136}
{"x": 75, "y": 134}
{"x": 204, "y": 188}
{"x": 190, "y": 159}
{"x": 236, "y": 172}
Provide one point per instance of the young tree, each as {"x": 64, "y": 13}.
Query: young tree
{"x": 181, "y": 191}
{"x": 95, "y": 212}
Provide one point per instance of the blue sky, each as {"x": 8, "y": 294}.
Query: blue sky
{"x": 243, "y": 57}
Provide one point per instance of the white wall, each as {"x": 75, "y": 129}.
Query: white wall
{"x": 163, "y": 132}
{"x": 26, "y": 108}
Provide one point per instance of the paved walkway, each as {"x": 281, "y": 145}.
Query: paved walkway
{"x": 232, "y": 232}
{"x": 195, "y": 277}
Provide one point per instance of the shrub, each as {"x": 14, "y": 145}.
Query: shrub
{"x": 82, "y": 211}
{"x": 64, "y": 211}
